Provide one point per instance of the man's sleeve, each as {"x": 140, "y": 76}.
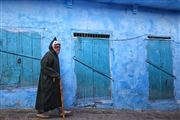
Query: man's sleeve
{"x": 46, "y": 66}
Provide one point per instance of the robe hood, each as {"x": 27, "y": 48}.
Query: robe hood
{"x": 50, "y": 45}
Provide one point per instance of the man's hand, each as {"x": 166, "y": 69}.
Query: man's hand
{"x": 54, "y": 79}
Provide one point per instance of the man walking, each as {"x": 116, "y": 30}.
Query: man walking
{"x": 48, "y": 93}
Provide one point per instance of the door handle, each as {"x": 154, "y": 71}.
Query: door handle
{"x": 19, "y": 60}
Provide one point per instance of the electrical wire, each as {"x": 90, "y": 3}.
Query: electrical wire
{"x": 127, "y": 39}
{"x": 176, "y": 42}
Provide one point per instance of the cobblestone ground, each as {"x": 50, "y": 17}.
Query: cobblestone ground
{"x": 92, "y": 114}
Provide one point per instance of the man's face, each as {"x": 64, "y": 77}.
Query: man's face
{"x": 57, "y": 48}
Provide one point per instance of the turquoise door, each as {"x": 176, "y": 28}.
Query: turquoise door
{"x": 30, "y": 45}
{"x": 9, "y": 69}
{"x": 92, "y": 68}
{"x": 20, "y": 53}
{"x": 159, "y": 57}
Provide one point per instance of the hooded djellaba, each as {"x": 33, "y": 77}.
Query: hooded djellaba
{"x": 48, "y": 95}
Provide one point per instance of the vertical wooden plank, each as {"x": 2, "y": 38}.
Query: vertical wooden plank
{"x": 166, "y": 56}
{"x": 87, "y": 72}
{"x": 153, "y": 56}
{"x": 154, "y": 82}
{"x": 4, "y": 75}
{"x": 19, "y": 59}
{"x": 5, "y": 55}
{"x": 153, "y": 53}
{"x": 87, "y": 47}
{"x": 101, "y": 63}
{"x": 83, "y": 52}
{"x": 78, "y": 76}
{"x": 77, "y": 69}
{"x": 12, "y": 70}
{"x": 26, "y": 62}
{"x": 166, "y": 63}
{"x": 1, "y": 46}
{"x": 36, "y": 52}
{"x": 2, "y": 41}
{"x": 101, "y": 56}
{"x": 84, "y": 81}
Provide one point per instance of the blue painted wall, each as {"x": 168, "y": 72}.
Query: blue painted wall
{"x": 127, "y": 58}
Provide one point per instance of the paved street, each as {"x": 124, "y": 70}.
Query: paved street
{"x": 92, "y": 114}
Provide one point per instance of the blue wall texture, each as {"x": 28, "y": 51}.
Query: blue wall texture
{"x": 127, "y": 58}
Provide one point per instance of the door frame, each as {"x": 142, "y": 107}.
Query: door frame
{"x": 19, "y": 30}
{"x": 73, "y": 39}
{"x": 171, "y": 74}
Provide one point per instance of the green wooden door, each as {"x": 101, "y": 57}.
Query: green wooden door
{"x": 159, "y": 57}
{"x": 17, "y": 63}
{"x": 10, "y": 70}
{"x": 92, "y": 68}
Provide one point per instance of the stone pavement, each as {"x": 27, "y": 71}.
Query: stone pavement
{"x": 92, "y": 114}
